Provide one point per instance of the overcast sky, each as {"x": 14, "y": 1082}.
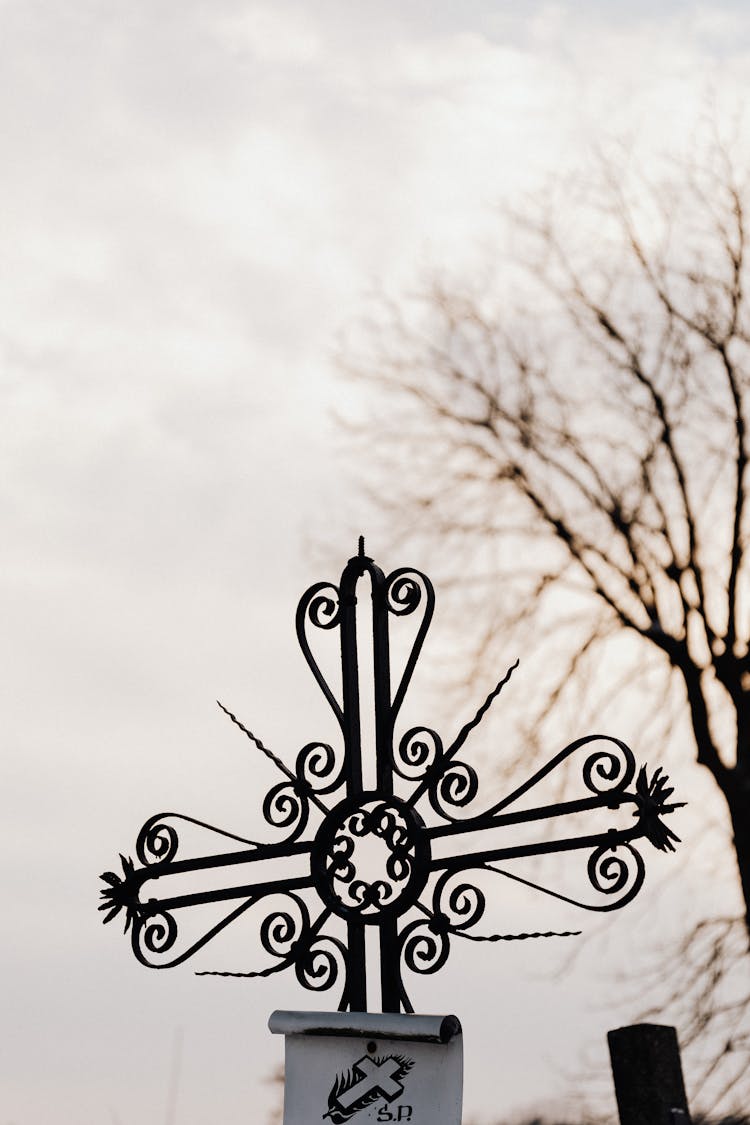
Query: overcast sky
{"x": 196, "y": 200}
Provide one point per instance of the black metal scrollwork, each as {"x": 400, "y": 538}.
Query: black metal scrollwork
{"x": 419, "y": 751}
{"x": 426, "y": 942}
{"x": 610, "y": 769}
{"x": 320, "y": 963}
{"x": 157, "y": 933}
{"x": 404, "y": 592}
{"x": 456, "y": 788}
{"x": 321, "y": 606}
{"x": 424, "y": 946}
{"x": 285, "y": 806}
{"x": 368, "y": 857}
{"x": 615, "y": 872}
{"x": 461, "y": 905}
{"x": 406, "y": 589}
{"x": 344, "y": 846}
{"x": 317, "y": 768}
{"x": 157, "y": 842}
{"x": 284, "y": 927}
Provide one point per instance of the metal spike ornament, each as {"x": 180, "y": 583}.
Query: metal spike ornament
{"x": 419, "y": 898}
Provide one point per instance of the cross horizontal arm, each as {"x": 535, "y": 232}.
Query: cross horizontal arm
{"x": 487, "y": 821}
{"x": 252, "y": 891}
{"x": 126, "y": 891}
{"x": 135, "y": 878}
{"x": 609, "y": 839}
{"x": 226, "y": 859}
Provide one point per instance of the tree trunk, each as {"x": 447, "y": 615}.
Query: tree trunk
{"x": 737, "y": 793}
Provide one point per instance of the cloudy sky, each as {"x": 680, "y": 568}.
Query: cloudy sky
{"x": 197, "y": 199}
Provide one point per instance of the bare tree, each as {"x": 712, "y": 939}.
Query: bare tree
{"x": 578, "y": 429}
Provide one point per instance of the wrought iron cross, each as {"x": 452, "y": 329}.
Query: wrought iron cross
{"x": 415, "y": 897}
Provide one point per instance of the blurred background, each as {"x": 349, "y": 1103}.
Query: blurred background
{"x": 202, "y": 204}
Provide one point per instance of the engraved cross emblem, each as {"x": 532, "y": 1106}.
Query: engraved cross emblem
{"x": 374, "y": 1076}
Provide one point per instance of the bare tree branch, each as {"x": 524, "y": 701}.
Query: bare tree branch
{"x": 585, "y": 457}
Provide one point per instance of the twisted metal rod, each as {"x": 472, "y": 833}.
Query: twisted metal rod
{"x": 257, "y": 742}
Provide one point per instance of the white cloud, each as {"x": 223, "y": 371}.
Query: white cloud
{"x": 270, "y": 33}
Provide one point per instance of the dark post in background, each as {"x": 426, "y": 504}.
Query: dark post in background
{"x": 647, "y": 1073}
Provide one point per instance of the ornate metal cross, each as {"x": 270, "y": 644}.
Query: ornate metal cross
{"x": 373, "y": 856}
